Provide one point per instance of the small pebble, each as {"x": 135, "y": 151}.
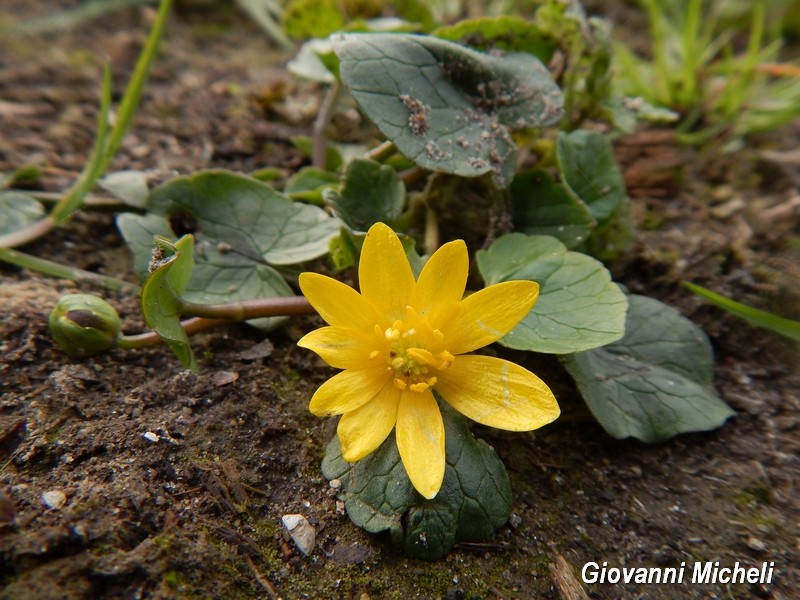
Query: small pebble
{"x": 150, "y": 436}
{"x": 301, "y": 531}
{"x": 221, "y": 378}
{"x": 756, "y": 544}
{"x": 263, "y": 349}
{"x": 55, "y": 499}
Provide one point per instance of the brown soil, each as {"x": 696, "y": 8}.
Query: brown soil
{"x": 196, "y": 514}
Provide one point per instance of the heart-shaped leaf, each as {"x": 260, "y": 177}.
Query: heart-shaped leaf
{"x": 654, "y": 383}
{"x": 219, "y": 276}
{"x": 590, "y": 170}
{"x": 475, "y": 498}
{"x": 309, "y": 65}
{"x": 370, "y": 193}
{"x": 138, "y": 231}
{"x": 579, "y": 307}
{"x": 508, "y": 33}
{"x": 247, "y": 217}
{"x": 129, "y": 186}
{"x": 542, "y": 206}
{"x": 309, "y": 183}
{"x": 243, "y": 227}
{"x": 18, "y": 211}
{"x": 446, "y": 107}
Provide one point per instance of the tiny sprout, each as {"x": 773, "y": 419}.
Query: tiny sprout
{"x": 84, "y": 325}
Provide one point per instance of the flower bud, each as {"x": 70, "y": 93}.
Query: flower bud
{"x": 84, "y": 325}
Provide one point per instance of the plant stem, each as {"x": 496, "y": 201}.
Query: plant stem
{"x": 431, "y": 238}
{"x": 95, "y": 202}
{"x": 250, "y": 309}
{"x": 213, "y": 315}
{"x": 412, "y": 175}
{"x": 382, "y": 152}
{"x": 151, "y": 338}
{"x": 27, "y": 234}
{"x": 318, "y": 152}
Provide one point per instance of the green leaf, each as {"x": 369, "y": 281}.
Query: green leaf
{"x": 246, "y": 216}
{"x": 17, "y": 211}
{"x": 24, "y": 175}
{"x": 416, "y": 11}
{"x": 219, "y": 276}
{"x": 655, "y": 382}
{"x": 129, "y": 186}
{"x": 474, "y": 501}
{"x": 543, "y": 206}
{"x": 759, "y": 318}
{"x": 370, "y": 193}
{"x": 309, "y": 64}
{"x": 162, "y": 293}
{"x": 333, "y": 158}
{"x": 579, "y": 307}
{"x": 446, "y": 107}
{"x": 508, "y": 33}
{"x": 589, "y": 169}
{"x": 346, "y": 248}
{"x": 311, "y": 18}
{"x": 267, "y": 174}
{"x": 309, "y": 183}
{"x": 585, "y": 44}
{"x": 243, "y": 229}
{"x": 138, "y": 232}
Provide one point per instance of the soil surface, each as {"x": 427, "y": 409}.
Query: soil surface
{"x": 124, "y": 476}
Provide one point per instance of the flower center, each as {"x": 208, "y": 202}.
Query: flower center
{"x": 415, "y": 352}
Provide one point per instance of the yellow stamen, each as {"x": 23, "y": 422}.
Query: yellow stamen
{"x": 445, "y": 360}
{"x": 422, "y": 356}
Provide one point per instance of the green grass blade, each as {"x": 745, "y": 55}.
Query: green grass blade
{"x": 107, "y": 141}
{"x": 47, "y": 267}
{"x": 760, "y": 318}
{"x": 73, "y": 199}
{"x": 69, "y": 18}
{"x": 133, "y": 93}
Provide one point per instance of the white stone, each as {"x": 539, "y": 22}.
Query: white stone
{"x": 55, "y": 499}
{"x": 301, "y": 531}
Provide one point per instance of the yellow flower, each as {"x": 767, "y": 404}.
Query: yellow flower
{"x": 399, "y": 339}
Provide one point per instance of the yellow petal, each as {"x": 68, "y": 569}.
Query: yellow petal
{"x": 347, "y": 391}
{"x": 364, "y": 429}
{"x": 420, "y": 440}
{"x": 497, "y": 393}
{"x": 441, "y": 283}
{"x": 486, "y": 316}
{"x": 384, "y": 274}
{"x": 342, "y": 348}
{"x": 338, "y": 304}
